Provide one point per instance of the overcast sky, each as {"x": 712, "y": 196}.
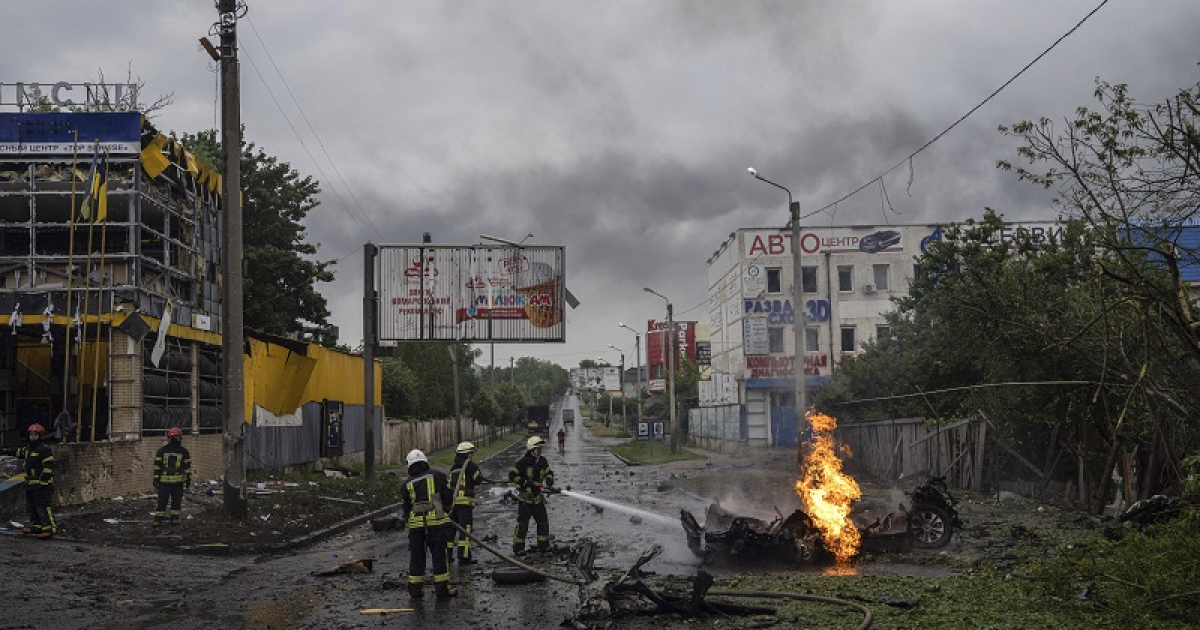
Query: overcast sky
{"x": 621, "y": 130}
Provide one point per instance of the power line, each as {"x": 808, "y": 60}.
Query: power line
{"x": 947, "y": 130}
{"x": 311, "y": 128}
{"x": 979, "y": 386}
{"x": 689, "y": 310}
{"x": 288, "y": 120}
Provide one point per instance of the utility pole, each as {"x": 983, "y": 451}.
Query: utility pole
{"x": 637, "y": 351}
{"x": 671, "y": 375}
{"x": 233, "y": 398}
{"x": 621, "y": 375}
{"x": 370, "y": 251}
{"x": 637, "y": 348}
{"x": 800, "y": 393}
{"x": 453, "y": 348}
{"x": 672, "y": 355}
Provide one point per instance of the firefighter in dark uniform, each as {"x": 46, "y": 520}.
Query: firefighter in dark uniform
{"x": 465, "y": 476}
{"x": 39, "y": 483}
{"x": 532, "y": 476}
{"x": 172, "y": 474}
{"x": 427, "y": 500}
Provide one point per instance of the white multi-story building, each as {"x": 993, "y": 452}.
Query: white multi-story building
{"x": 849, "y": 275}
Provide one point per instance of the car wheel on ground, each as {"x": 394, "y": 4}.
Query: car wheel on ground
{"x": 930, "y": 526}
{"x": 516, "y": 575}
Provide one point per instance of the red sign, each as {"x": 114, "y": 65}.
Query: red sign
{"x": 656, "y": 353}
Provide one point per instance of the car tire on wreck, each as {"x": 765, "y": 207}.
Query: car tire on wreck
{"x": 516, "y": 575}
{"x": 930, "y": 526}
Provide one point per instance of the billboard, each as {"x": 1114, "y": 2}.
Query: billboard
{"x": 611, "y": 379}
{"x": 470, "y": 293}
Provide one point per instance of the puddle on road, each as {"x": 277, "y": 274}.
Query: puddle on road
{"x": 284, "y": 612}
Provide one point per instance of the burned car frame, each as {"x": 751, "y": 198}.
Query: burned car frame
{"x": 928, "y": 521}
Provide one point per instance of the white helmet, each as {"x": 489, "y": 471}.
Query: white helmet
{"x": 534, "y": 442}
{"x": 415, "y": 456}
{"x": 465, "y": 447}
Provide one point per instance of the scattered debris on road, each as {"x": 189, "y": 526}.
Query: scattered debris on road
{"x": 365, "y": 565}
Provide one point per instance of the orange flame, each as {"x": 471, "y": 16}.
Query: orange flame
{"x": 825, "y": 492}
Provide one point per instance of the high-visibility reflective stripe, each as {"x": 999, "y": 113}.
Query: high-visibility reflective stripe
{"x": 415, "y": 520}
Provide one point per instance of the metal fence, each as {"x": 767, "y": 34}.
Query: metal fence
{"x": 716, "y": 428}
{"x": 280, "y": 446}
{"x": 911, "y": 447}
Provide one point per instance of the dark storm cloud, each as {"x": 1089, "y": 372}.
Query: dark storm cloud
{"x": 621, "y": 130}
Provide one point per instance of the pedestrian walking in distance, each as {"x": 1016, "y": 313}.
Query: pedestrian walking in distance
{"x": 532, "y": 476}
{"x": 427, "y": 500}
{"x": 172, "y": 475}
{"x": 562, "y": 442}
{"x": 39, "y": 483}
{"x": 465, "y": 476}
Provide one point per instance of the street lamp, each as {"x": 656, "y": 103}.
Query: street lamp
{"x": 607, "y": 419}
{"x": 797, "y": 306}
{"x": 621, "y": 387}
{"x": 671, "y": 358}
{"x": 637, "y": 349}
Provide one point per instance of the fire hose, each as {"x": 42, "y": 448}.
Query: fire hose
{"x": 868, "y": 616}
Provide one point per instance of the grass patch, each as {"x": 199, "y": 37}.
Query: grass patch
{"x": 1146, "y": 576}
{"x": 980, "y": 600}
{"x": 612, "y": 431}
{"x": 445, "y": 457}
{"x": 652, "y": 452}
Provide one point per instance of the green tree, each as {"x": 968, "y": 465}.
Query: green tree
{"x": 1005, "y": 329}
{"x": 424, "y": 374}
{"x": 512, "y": 403}
{"x": 400, "y": 389}
{"x": 1132, "y": 173}
{"x": 281, "y": 274}
{"x": 485, "y": 409}
{"x": 687, "y": 379}
{"x": 543, "y": 381}
{"x": 1082, "y": 345}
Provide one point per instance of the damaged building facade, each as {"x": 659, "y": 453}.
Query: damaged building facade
{"x": 110, "y": 288}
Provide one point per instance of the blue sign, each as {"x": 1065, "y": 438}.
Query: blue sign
{"x": 67, "y": 133}
{"x": 780, "y": 312}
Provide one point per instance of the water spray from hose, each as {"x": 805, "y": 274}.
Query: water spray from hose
{"x": 613, "y": 505}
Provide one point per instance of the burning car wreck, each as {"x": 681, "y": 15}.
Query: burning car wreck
{"x": 927, "y": 521}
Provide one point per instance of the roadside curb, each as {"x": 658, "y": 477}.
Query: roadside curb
{"x": 338, "y": 528}
{"x": 332, "y": 530}
{"x": 626, "y": 461}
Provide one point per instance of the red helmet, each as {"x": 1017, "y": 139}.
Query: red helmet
{"x": 173, "y": 433}
{"x": 37, "y": 428}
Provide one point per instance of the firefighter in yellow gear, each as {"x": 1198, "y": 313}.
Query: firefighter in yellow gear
{"x": 465, "y": 477}
{"x": 172, "y": 475}
{"x": 532, "y": 476}
{"x": 39, "y": 483}
{"x": 426, "y": 501}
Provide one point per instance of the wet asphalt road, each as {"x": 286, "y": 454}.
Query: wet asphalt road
{"x": 59, "y": 584}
